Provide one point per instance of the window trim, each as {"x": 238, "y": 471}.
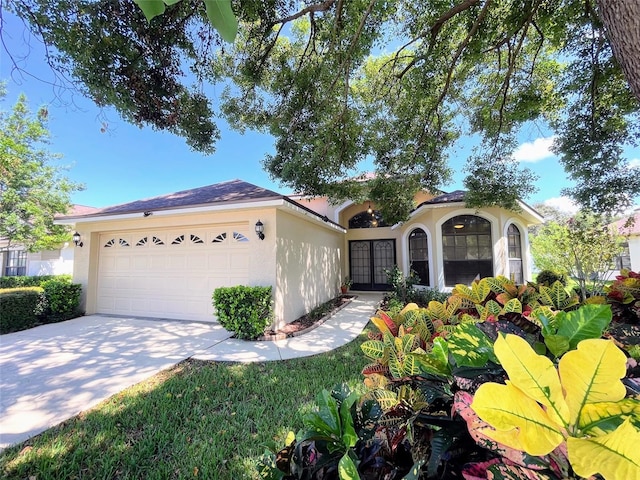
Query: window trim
{"x": 508, "y": 252}
{"x": 406, "y": 255}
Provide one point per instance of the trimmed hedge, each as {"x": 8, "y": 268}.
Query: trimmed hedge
{"x": 17, "y": 282}
{"x": 57, "y": 299}
{"x": 21, "y": 308}
{"x": 63, "y": 299}
{"x": 247, "y": 311}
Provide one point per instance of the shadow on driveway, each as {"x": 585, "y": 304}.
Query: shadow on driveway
{"x": 53, "y": 372}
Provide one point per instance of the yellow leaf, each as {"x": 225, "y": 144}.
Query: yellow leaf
{"x": 519, "y": 421}
{"x": 534, "y": 374}
{"x": 409, "y": 307}
{"x": 614, "y": 456}
{"x": 379, "y": 323}
{"x": 591, "y": 374}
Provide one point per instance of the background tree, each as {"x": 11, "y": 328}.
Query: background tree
{"x": 340, "y": 84}
{"x": 583, "y": 246}
{"x": 32, "y": 189}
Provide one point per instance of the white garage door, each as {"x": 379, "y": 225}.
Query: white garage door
{"x": 170, "y": 274}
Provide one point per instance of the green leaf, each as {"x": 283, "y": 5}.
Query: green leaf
{"x": 221, "y": 16}
{"x": 557, "y": 344}
{"x": 326, "y": 420}
{"x": 512, "y": 306}
{"x": 604, "y": 417}
{"x": 349, "y": 435}
{"x": 347, "y": 469}
{"x": 387, "y": 399}
{"x": 437, "y": 360}
{"x": 396, "y": 367}
{"x": 589, "y": 321}
{"x": 373, "y": 349}
{"x": 469, "y": 346}
{"x": 151, "y": 8}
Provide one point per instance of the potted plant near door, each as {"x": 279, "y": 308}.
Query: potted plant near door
{"x": 346, "y": 285}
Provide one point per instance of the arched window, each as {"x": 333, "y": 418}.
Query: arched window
{"x": 419, "y": 255}
{"x": 515, "y": 254}
{"x": 467, "y": 249}
{"x": 367, "y": 220}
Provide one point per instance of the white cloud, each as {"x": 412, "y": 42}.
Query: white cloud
{"x": 634, "y": 163}
{"x": 534, "y": 151}
{"x": 564, "y": 204}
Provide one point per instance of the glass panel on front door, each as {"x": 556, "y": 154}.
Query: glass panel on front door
{"x": 368, "y": 261}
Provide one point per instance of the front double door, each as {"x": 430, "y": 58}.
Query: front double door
{"x": 368, "y": 260}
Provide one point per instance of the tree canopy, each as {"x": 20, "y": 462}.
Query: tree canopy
{"x": 32, "y": 189}
{"x": 345, "y": 84}
{"x": 584, "y": 246}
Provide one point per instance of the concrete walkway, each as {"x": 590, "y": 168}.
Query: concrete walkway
{"x": 53, "y": 372}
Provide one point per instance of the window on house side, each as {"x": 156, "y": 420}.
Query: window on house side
{"x": 16, "y": 263}
{"x": 515, "y": 254}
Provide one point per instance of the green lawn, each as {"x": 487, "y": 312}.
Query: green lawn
{"x": 198, "y": 420}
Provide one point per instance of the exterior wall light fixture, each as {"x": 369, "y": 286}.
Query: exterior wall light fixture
{"x": 77, "y": 239}
{"x": 260, "y": 230}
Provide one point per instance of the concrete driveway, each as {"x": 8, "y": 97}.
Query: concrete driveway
{"x": 52, "y": 372}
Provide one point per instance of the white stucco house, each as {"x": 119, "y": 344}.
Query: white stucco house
{"x": 15, "y": 260}
{"x": 164, "y": 256}
{"x": 629, "y": 228}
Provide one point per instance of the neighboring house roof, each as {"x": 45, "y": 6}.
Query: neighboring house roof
{"x": 230, "y": 192}
{"x": 457, "y": 196}
{"x": 80, "y": 210}
{"x": 629, "y": 225}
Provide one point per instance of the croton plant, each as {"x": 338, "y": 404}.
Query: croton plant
{"x": 500, "y": 381}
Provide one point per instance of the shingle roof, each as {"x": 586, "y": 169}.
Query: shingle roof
{"x": 453, "y": 197}
{"x": 233, "y": 191}
{"x": 627, "y": 227}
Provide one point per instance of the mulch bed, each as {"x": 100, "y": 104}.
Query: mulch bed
{"x": 306, "y": 322}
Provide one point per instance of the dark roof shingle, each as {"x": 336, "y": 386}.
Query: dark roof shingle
{"x": 233, "y": 191}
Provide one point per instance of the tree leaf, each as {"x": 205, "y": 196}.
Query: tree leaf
{"x": 534, "y": 374}
{"x": 151, "y": 8}
{"x": 221, "y": 16}
{"x": 591, "y": 374}
{"x": 614, "y": 456}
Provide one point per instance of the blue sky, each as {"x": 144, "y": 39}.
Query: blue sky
{"x": 122, "y": 163}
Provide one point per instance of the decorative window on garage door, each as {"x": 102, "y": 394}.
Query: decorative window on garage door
{"x": 112, "y": 243}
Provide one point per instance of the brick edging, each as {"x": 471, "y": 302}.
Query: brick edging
{"x": 284, "y": 336}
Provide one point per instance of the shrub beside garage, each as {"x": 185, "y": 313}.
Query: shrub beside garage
{"x": 46, "y": 300}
